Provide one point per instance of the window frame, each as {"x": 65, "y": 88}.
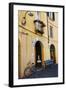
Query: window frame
{"x": 51, "y": 32}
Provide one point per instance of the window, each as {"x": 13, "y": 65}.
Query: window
{"x": 51, "y": 15}
{"x": 51, "y": 31}
{"x": 38, "y": 23}
{"x": 37, "y": 15}
{"x": 39, "y": 26}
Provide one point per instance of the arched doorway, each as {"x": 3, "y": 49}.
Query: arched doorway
{"x": 52, "y": 53}
{"x": 38, "y": 54}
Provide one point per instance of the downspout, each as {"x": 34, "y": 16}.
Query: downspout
{"x": 47, "y": 28}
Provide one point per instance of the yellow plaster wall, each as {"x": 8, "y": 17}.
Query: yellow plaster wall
{"x": 31, "y": 36}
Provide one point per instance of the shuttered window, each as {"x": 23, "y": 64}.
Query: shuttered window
{"x": 51, "y": 15}
{"x": 51, "y": 31}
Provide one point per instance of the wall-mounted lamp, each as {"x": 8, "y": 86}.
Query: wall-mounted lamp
{"x": 24, "y": 18}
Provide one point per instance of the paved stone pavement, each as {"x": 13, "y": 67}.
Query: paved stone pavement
{"x": 49, "y": 71}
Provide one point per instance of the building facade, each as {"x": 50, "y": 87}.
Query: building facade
{"x": 37, "y": 38}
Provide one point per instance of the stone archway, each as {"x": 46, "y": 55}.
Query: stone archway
{"x": 38, "y": 54}
{"x": 52, "y": 53}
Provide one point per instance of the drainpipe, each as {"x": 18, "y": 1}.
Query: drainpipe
{"x": 47, "y": 27}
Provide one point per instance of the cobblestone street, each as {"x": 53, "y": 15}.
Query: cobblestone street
{"x": 49, "y": 71}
